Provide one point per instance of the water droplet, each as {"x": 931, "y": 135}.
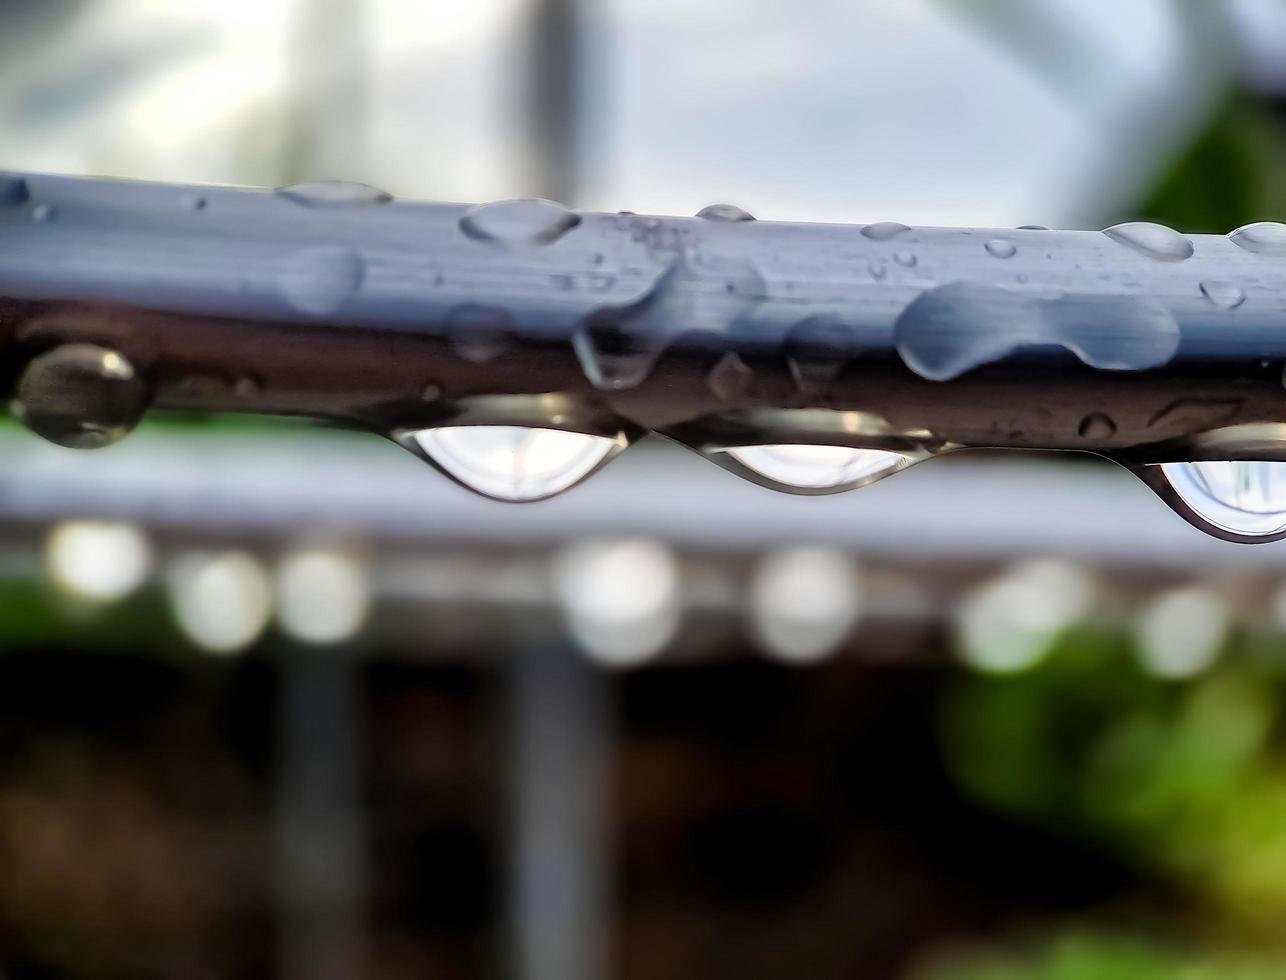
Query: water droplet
{"x": 816, "y": 349}
{"x": 81, "y": 396}
{"x": 618, "y": 345}
{"x": 1262, "y": 237}
{"x": 877, "y": 269}
{"x": 334, "y": 194}
{"x": 13, "y": 190}
{"x": 1033, "y": 227}
{"x": 600, "y": 282}
{"x": 515, "y": 463}
{"x": 431, "y": 392}
{"x": 192, "y": 202}
{"x": 730, "y": 377}
{"x": 725, "y": 212}
{"x": 479, "y": 333}
{"x": 1224, "y": 295}
{"x": 319, "y": 279}
{"x": 1153, "y": 240}
{"x": 1245, "y": 498}
{"x": 247, "y": 386}
{"x": 527, "y": 221}
{"x": 907, "y": 259}
{"x": 1097, "y": 425}
{"x": 43, "y": 212}
{"x": 563, "y": 282}
{"x": 882, "y": 231}
{"x": 817, "y": 469}
{"x": 948, "y": 331}
{"x": 1000, "y": 248}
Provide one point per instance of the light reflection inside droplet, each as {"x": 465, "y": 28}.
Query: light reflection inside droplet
{"x": 517, "y": 463}
{"x": 1245, "y": 497}
{"x": 819, "y": 468}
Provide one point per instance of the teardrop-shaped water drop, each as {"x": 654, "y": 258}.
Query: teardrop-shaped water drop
{"x": 882, "y": 231}
{"x": 1000, "y": 248}
{"x": 334, "y": 194}
{"x": 526, "y": 221}
{"x": 81, "y": 396}
{"x": 1225, "y": 295}
{"x": 1245, "y": 498}
{"x": 1153, "y": 240}
{"x": 806, "y": 468}
{"x": 512, "y": 462}
{"x": 1262, "y": 237}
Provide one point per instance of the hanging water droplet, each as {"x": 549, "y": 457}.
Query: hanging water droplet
{"x": 882, "y": 231}
{"x": 1000, "y": 248}
{"x": 1246, "y": 498}
{"x": 1224, "y": 295}
{"x": 515, "y": 463}
{"x": 906, "y": 259}
{"x": 1262, "y": 237}
{"x": 725, "y": 212}
{"x": 320, "y": 278}
{"x": 730, "y": 377}
{"x": 1153, "y": 240}
{"x": 334, "y": 194}
{"x": 81, "y": 396}
{"x": 13, "y": 190}
{"x": 1097, "y": 425}
{"x": 479, "y": 333}
{"x": 818, "y": 469}
{"x": 527, "y": 221}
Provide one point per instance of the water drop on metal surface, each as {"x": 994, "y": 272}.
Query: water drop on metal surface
{"x": 42, "y": 213}
{"x": 1225, "y": 295}
{"x": 725, "y": 212}
{"x": 526, "y": 221}
{"x": 81, "y": 396}
{"x": 906, "y": 259}
{"x": 319, "y": 279}
{"x": 1000, "y": 248}
{"x": 1247, "y": 499}
{"x": 882, "y": 231}
{"x": 325, "y": 194}
{"x": 730, "y": 377}
{"x": 1262, "y": 238}
{"x": 514, "y": 463}
{"x": 816, "y": 350}
{"x": 817, "y": 469}
{"x": 479, "y": 333}
{"x": 1155, "y": 241}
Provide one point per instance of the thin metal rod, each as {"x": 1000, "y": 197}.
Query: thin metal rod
{"x": 335, "y": 302}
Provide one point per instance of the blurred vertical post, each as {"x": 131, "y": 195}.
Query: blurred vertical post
{"x": 320, "y": 842}
{"x": 560, "y": 724}
{"x": 554, "y": 110}
{"x": 331, "y": 80}
{"x": 559, "y": 715}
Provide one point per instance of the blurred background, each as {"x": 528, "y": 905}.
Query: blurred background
{"x": 279, "y": 701}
